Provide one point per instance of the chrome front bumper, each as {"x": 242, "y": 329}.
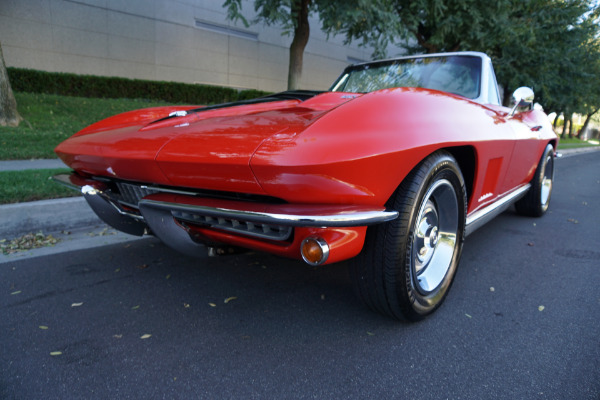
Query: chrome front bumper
{"x": 167, "y": 211}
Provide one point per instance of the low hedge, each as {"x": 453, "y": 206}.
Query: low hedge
{"x": 66, "y": 84}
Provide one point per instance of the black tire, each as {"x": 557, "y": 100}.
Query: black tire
{"x": 535, "y": 202}
{"x": 407, "y": 265}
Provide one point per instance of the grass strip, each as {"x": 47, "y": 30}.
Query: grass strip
{"x": 572, "y": 143}
{"x": 50, "y": 119}
{"x": 32, "y": 185}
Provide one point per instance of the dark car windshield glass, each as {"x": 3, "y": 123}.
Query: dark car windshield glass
{"x": 454, "y": 74}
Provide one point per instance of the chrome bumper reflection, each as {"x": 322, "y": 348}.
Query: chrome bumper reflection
{"x": 107, "y": 210}
{"x": 317, "y": 216}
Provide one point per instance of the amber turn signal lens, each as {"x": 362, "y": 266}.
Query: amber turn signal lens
{"x": 315, "y": 250}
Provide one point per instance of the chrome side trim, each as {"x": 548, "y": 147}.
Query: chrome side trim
{"x": 342, "y": 219}
{"x": 480, "y": 217}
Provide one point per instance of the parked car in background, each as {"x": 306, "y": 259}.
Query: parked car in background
{"x": 391, "y": 168}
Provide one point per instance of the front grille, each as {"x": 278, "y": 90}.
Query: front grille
{"x": 264, "y": 231}
{"x": 130, "y": 194}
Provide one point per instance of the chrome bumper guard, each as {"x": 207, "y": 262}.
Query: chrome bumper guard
{"x": 167, "y": 213}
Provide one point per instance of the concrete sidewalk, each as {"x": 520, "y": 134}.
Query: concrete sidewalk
{"x": 73, "y": 213}
{"x": 21, "y": 165}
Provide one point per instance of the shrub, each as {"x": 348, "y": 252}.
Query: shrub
{"x": 66, "y": 84}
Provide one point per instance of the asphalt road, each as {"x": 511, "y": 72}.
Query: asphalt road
{"x": 290, "y": 331}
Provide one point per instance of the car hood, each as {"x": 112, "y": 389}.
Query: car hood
{"x": 207, "y": 147}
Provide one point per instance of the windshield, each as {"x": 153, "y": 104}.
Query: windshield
{"x": 454, "y": 74}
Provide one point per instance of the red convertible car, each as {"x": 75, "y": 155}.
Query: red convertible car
{"x": 392, "y": 168}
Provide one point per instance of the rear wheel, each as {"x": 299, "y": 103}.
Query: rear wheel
{"x": 535, "y": 202}
{"x": 408, "y": 264}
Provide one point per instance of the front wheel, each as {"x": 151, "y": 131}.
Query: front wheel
{"x": 407, "y": 265}
{"x": 535, "y": 202}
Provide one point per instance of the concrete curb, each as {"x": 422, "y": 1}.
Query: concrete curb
{"x": 578, "y": 150}
{"x": 46, "y": 216}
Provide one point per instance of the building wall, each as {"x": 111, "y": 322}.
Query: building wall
{"x": 174, "y": 40}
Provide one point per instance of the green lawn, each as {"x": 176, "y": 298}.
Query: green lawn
{"x": 31, "y": 185}
{"x": 50, "y": 119}
{"x": 570, "y": 143}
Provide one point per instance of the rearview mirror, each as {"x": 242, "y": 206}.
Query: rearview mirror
{"x": 522, "y": 98}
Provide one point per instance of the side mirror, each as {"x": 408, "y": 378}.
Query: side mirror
{"x": 522, "y": 98}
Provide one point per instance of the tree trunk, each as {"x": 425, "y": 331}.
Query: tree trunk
{"x": 565, "y": 126}
{"x": 587, "y": 121}
{"x": 556, "y": 121}
{"x": 571, "y": 126}
{"x": 9, "y": 116}
{"x": 301, "y": 35}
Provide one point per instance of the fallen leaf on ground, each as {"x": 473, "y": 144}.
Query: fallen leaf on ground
{"x": 56, "y": 353}
{"x": 168, "y": 276}
{"x": 76, "y": 304}
{"x": 492, "y": 289}
{"x": 370, "y": 333}
{"x": 43, "y": 327}
{"x": 135, "y": 307}
{"x": 468, "y": 316}
{"x": 146, "y": 336}
{"x": 117, "y": 336}
{"x": 17, "y": 292}
{"x": 541, "y": 308}
{"x": 27, "y": 242}
{"x": 186, "y": 305}
{"x": 212, "y": 304}
{"x": 227, "y": 300}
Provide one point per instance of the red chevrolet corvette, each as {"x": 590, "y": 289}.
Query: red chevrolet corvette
{"x": 392, "y": 168}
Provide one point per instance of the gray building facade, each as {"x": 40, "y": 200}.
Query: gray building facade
{"x": 173, "y": 40}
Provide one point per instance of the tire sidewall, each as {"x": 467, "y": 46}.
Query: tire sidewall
{"x": 421, "y": 304}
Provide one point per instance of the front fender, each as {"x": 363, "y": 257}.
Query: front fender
{"x": 359, "y": 152}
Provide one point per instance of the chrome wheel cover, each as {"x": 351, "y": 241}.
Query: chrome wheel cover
{"x": 546, "y": 188}
{"x": 435, "y": 237}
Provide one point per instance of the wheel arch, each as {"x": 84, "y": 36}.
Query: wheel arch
{"x": 466, "y": 158}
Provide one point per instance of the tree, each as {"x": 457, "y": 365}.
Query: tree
{"x": 532, "y": 42}
{"x": 590, "y": 90}
{"x": 434, "y": 26}
{"x": 9, "y": 116}
{"x": 293, "y": 16}
{"x": 538, "y": 43}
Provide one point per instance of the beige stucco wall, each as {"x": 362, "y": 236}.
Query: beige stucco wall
{"x": 160, "y": 40}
